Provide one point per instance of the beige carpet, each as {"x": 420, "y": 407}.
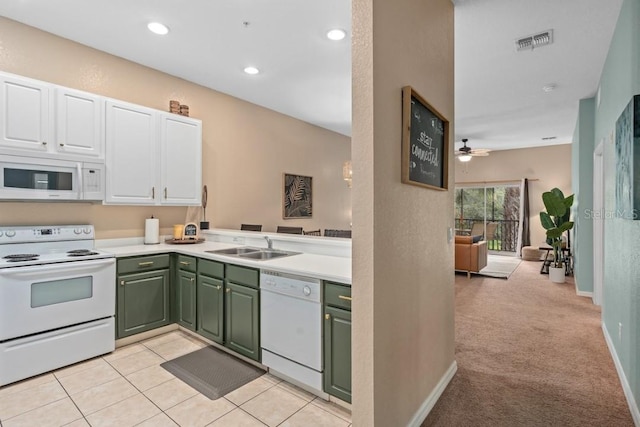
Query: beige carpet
{"x": 529, "y": 353}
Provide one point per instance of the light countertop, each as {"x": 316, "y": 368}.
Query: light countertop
{"x": 324, "y": 267}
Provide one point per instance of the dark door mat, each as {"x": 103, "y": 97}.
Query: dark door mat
{"x": 212, "y": 372}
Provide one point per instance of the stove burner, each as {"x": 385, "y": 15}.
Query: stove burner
{"x": 81, "y": 252}
{"x": 21, "y": 257}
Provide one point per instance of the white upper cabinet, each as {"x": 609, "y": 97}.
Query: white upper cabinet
{"x": 131, "y": 155}
{"x": 153, "y": 157}
{"x": 37, "y": 117}
{"x": 79, "y": 123}
{"x": 25, "y": 114}
{"x": 181, "y": 159}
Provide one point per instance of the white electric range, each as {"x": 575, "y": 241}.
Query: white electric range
{"x": 57, "y": 299}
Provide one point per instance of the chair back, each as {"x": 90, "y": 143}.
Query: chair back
{"x": 289, "y": 230}
{"x": 312, "y": 233}
{"x": 337, "y": 233}
{"x": 477, "y": 229}
{"x": 491, "y": 231}
{"x": 251, "y": 227}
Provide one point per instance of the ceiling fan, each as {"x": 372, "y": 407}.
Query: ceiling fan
{"x": 465, "y": 153}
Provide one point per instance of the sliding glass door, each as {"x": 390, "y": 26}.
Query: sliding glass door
{"x": 490, "y": 211}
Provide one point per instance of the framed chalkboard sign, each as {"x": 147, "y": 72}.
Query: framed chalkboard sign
{"x": 425, "y": 143}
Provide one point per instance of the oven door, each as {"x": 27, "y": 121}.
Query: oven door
{"x": 46, "y": 297}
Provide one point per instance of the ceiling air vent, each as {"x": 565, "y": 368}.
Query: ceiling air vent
{"x": 534, "y": 41}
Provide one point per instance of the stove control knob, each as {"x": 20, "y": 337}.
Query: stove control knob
{"x": 86, "y": 231}
{"x": 10, "y": 233}
{"x": 77, "y": 230}
{"x": 306, "y": 290}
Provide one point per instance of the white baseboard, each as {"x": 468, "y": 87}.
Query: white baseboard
{"x": 633, "y": 405}
{"x": 430, "y": 402}
{"x": 584, "y": 294}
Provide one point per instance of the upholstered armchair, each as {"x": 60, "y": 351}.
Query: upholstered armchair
{"x": 470, "y": 256}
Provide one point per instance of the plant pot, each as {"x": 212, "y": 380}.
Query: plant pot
{"x": 556, "y": 274}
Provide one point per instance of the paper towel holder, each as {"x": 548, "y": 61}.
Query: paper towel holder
{"x": 152, "y": 231}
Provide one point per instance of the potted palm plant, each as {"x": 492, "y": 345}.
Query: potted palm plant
{"x": 556, "y": 221}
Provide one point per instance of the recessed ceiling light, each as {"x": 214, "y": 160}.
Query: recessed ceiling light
{"x": 549, "y": 88}
{"x": 336, "y": 34}
{"x": 251, "y": 70}
{"x": 158, "y": 28}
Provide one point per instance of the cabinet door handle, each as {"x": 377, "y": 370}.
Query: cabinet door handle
{"x": 122, "y": 283}
{"x": 165, "y": 192}
{"x": 344, "y": 297}
{"x": 185, "y": 263}
{"x": 327, "y": 316}
{"x": 228, "y": 290}
{"x": 192, "y": 279}
{"x": 44, "y": 142}
{"x": 145, "y": 264}
{"x": 218, "y": 287}
{"x": 61, "y": 144}
{"x": 153, "y": 192}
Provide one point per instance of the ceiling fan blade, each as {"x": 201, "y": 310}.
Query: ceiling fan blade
{"x": 481, "y": 154}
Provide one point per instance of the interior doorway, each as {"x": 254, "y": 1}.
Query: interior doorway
{"x": 598, "y": 223}
{"x": 490, "y": 210}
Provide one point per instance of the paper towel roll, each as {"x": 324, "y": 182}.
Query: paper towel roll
{"x": 151, "y": 231}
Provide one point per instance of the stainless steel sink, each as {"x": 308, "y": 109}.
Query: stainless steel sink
{"x": 258, "y": 254}
{"x": 235, "y": 251}
{"x": 266, "y": 254}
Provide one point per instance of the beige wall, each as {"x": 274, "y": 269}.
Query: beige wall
{"x": 246, "y": 148}
{"x": 403, "y": 315}
{"x": 547, "y": 167}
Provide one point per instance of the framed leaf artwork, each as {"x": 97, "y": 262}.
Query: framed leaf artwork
{"x": 296, "y": 196}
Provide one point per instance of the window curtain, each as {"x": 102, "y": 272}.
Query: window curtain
{"x": 524, "y": 235}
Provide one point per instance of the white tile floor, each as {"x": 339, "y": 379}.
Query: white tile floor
{"x": 129, "y": 388}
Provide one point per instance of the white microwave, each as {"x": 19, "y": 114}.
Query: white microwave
{"x": 34, "y": 178}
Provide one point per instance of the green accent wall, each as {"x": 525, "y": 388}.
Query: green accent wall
{"x": 582, "y": 183}
{"x": 621, "y": 292}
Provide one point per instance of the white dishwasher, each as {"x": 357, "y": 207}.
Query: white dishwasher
{"x": 291, "y": 328}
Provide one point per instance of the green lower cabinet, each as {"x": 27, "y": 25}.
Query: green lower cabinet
{"x": 187, "y": 299}
{"x": 242, "y": 320}
{"x": 143, "y": 302}
{"x": 337, "y": 353}
{"x": 210, "y": 311}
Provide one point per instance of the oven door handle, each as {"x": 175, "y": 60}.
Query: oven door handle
{"x": 63, "y": 269}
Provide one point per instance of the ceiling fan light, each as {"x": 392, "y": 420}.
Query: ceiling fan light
{"x": 464, "y": 157}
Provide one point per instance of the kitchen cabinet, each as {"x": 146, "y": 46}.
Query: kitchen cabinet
{"x": 337, "y": 340}
{"x": 143, "y": 294}
{"x": 25, "y": 119}
{"x": 79, "y": 123}
{"x": 210, "y": 300}
{"x": 242, "y": 311}
{"x": 152, "y": 157}
{"x": 37, "y": 117}
{"x": 186, "y": 292}
{"x": 181, "y": 160}
{"x": 131, "y": 155}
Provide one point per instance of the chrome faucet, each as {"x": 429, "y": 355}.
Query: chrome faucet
{"x": 269, "y": 242}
